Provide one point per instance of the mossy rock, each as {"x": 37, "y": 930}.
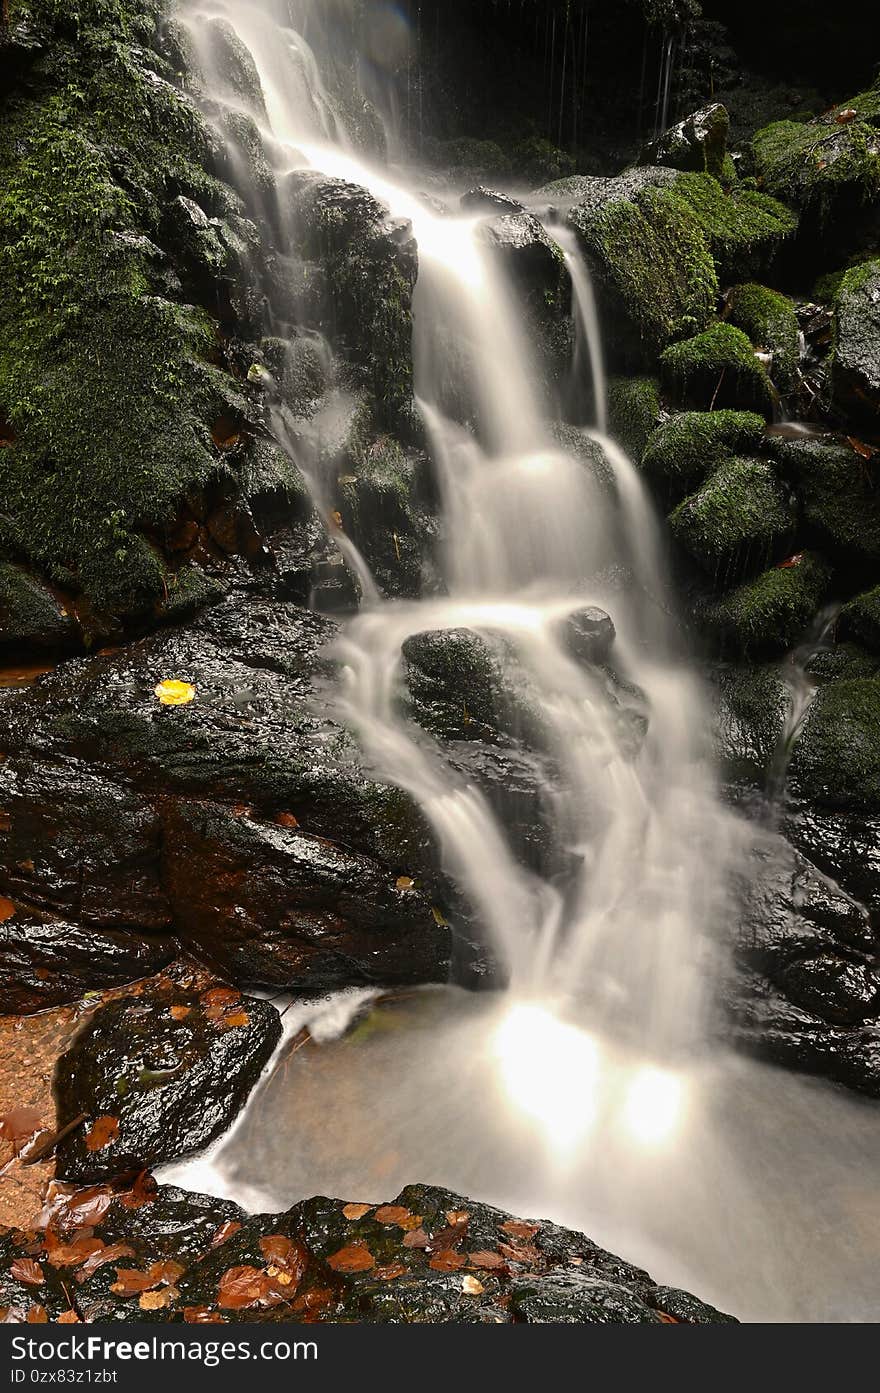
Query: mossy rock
{"x": 381, "y": 499}
{"x": 819, "y": 165}
{"x": 698, "y": 143}
{"x": 837, "y": 759}
{"x": 860, "y": 619}
{"x": 633, "y": 412}
{"x": 855, "y": 364}
{"x": 771, "y": 323}
{"x": 744, "y": 228}
{"x": 737, "y": 518}
{"x": 840, "y": 501}
{"x": 651, "y": 258}
{"x": 30, "y": 615}
{"x": 751, "y": 708}
{"x": 684, "y": 449}
{"x": 718, "y": 368}
{"x": 771, "y": 613}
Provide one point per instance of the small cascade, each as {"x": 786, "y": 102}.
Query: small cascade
{"x": 801, "y": 691}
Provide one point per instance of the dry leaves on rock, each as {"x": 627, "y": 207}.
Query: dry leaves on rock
{"x": 356, "y": 1258}
{"x": 395, "y": 1214}
{"x": 487, "y": 1260}
{"x": 448, "y": 1261}
{"x": 356, "y": 1211}
{"x": 28, "y": 1271}
{"x": 102, "y": 1132}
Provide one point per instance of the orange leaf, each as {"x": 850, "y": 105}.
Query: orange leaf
{"x": 27, "y": 1271}
{"x": 242, "y": 1286}
{"x": 202, "y": 1315}
{"x": 518, "y": 1228}
{"x": 37, "y": 1315}
{"x": 286, "y": 820}
{"x": 417, "y": 1238}
{"x": 19, "y": 1126}
{"x": 156, "y": 1300}
{"x": 356, "y": 1211}
{"x": 236, "y": 1021}
{"x": 102, "y": 1132}
{"x": 179, "y": 1013}
{"x": 7, "y": 909}
{"x": 391, "y": 1272}
{"x": 68, "y": 1318}
{"x": 447, "y": 1261}
{"x": 457, "y": 1216}
{"x": 488, "y": 1260}
{"x": 356, "y": 1258}
{"x": 393, "y": 1214}
{"x": 130, "y": 1282}
{"x": 225, "y": 1231}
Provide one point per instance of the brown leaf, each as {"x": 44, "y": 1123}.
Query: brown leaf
{"x": 790, "y": 562}
{"x": 19, "y": 1126}
{"x": 221, "y": 996}
{"x": 448, "y": 1238}
{"x": 7, "y": 909}
{"x": 27, "y": 1271}
{"x": 472, "y": 1286}
{"x": 241, "y": 1287}
{"x": 457, "y": 1216}
{"x": 667, "y": 1319}
{"x": 356, "y": 1258}
{"x": 393, "y": 1214}
{"x": 102, "y": 1132}
{"x": 226, "y": 1230}
{"x": 404, "y": 882}
{"x": 518, "y": 1228}
{"x": 111, "y": 1253}
{"x": 67, "y": 1318}
{"x": 313, "y": 1302}
{"x": 202, "y": 1315}
{"x": 356, "y": 1211}
{"x": 417, "y": 1238}
{"x": 287, "y": 820}
{"x": 157, "y": 1300}
{"x": 844, "y": 117}
{"x": 448, "y": 1261}
{"x": 522, "y": 1253}
{"x": 233, "y": 1022}
{"x": 78, "y": 1252}
{"x": 130, "y": 1282}
{"x": 179, "y": 1013}
{"x": 866, "y": 451}
{"x": 483, "y": 1258}
{"x": 142, "y": 1192}
{"x": 391, "y": 1272}
{"x": 67, "y": 1207}
{"x": 37, "y": 1315}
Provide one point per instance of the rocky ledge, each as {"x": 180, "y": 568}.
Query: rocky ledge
{"x": 137, "y": 1251}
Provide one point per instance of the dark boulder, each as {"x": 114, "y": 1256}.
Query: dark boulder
{"x": 699, "y": 142}
{"x": 159, "y": 1075}
{"x": 482, "y": 200}
{"x": 589, "y": 634}
{"x": 45, "y": 964}
{"x": 31, "y": 616}
{"x": 855, "y": 363}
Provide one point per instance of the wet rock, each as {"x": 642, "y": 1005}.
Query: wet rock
{"x": 772, "y": 325}
{"x": 841, "y": 505}
{"x": 839, "y": 991}
{"x": 31, "y": 616}
{"x": 860, "y": 619}
{"x": 772, "y": 613}
{"x": 45, "y": 964}
{"x": 633, "y": 412}
{"x": 699, "y": 142}
{"x": 751, "y": 704}
{"x": 458, "y": 683}
{"x": 384, "y": 498}
{"x": 685, "y": 448}
{"x": 159, "y": 1075}
{"x": 735, "y": 520}
{"x": 836, "y": 761}
{"x": 855, "y": 371}
{"x": 481, "y": 200}
{"x": 846, "y": 846}
{"x": 718, "y": 368}
{"x": 589, "y": 634}
{"x": 535, "y": 264}
{"x": 254, "y": 778}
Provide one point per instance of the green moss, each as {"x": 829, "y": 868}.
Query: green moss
{"x": 718, "y": 368}
{"x": 539, "y": 161}
{"x": 840, "y": 499}
{"x": 771, "y": 323}
{"x": 189, "y": 591}
{"x": 860, "y": 619}
{"x": 811, "y": 165}
{"x": 378, "y": 498}
{"x": 106, "y": 383}
{"x": 837, "y": 759}
{"x": 752, "y": 706}
{"x": 772, "y": 613}
{"x": 844, "y": 660}
{"x": 684, "y": 449}
{"x": 733, "y": 522}
{"x": 29, "y": 613}
{"x": 855, "y": 363}
{"x": 471, "y": 159}
{"x": 653, "y": 258}
{"x": 744, "y": 229}
{"x": 633, "y": 411}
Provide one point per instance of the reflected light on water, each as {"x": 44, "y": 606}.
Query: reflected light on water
{"x": 550, "y": 1072}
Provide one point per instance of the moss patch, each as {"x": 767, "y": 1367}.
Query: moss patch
{"x": 855, "y": 368}
{"x": 717, "y": 368}
{"x": 772, "y": 613}
{"x": 840, "y": 495}
{"x": 771, "y": 323}
{"x": 860, "y": 619}
{"x": 733, "y": 522}
{"x": 837, "y": 759}
{"x": 684, "y": 449}
{"x": 811, "y": 164}
{"x": 744, "y": 228}
{"x": 633, "y": 411}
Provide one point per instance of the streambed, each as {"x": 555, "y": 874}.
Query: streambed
{"x": 754, "y": 1186}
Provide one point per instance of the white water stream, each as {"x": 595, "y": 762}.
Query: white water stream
{"x": 618, "y": 956}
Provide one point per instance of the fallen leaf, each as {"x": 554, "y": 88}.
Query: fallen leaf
{"x": 286, "y": 820}
{"x": 78, "y": 1252}
{"x": 202, "y": 1315}
{"x": 416, "y": 1239}
{"x": 157, "y": 1300}
{"x": 130, "y": 1282}
{"x": 483, "y": 1258}
{"x": 37, "y": 1315}
{"x": 19, "y": 1126}
{"x": 449, "y": 1237}
{"x": 179, "y": 1013}
{"x": 667, "y": 1319}
{"x": 226, "y": 1230}
{"x": 404, "y": 882}
{"x": 142, "y": 1192}
{"x": 522, "y": 1253}
{"x": 7, "y": 909}
{"x": 113, "y": 1252}
{"x": 172, "y": 692}
{"x": 67, "y": 1318}
{"x": 393, "y": 1214}
{"x": 457, "y": 1216}
{"x": 472, "y": 1286}
{"x": 311, "y": 1303}
{"x": 518, "y": 1228}
{"x": 356, "y": 1258}
{"x": 844, "y": 117}
{"x": 391, "y": 1272}
{"x": 447, "y": 1261}
{"x": 866, "y": 451}
{"x": 102, "y": 1132}
{"x": 67, "y": 1207}
{"x": 27, "y": 1271}
{"x": 242, "y": 1286}
{"x": 790, "y": 562}
{"x": 236, "y": 1021}
{"x": 356, "y": 1211}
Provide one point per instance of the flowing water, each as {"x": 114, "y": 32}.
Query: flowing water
{"x": 608, "y": 962}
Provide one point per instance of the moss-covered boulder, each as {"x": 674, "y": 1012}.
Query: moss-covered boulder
{"x": 735, "y": 520}
{"x": 382, "y": 496}
{"x": 771, "y": 613}
{"x": 633, "y": 412}
{"x": 718, "y": 367}
{"x": 651, "y": 258}
{"x": 855, "y": 371}
{"x": 750, "y": 708}
{"x": 534, "y": 264}
{"x": 827, "y": 166}
{"x": 837, "y": 758}
{"x": 683, "y": 450}
{"x": 745, "y": 229}
{"x": 770, "y": 321}
{"x": 860, "y": 619}
{"x": 840, "y": 501}
{"x": 699, "y": 142}
{"x": 30, "y": 614}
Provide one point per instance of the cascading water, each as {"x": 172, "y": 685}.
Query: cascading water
{"x": 603, "y": 1030}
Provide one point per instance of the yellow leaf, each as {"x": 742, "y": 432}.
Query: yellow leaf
{"x": 438, "y": 917}
{"x": 171, "y": 692}
{"x": 404, "y": 882}
{"x": 472, "y": 1285}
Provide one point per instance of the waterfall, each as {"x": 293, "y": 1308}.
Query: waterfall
{"x": 533, "y": 537}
